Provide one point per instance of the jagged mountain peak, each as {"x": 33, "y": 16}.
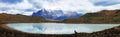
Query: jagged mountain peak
{"x": 56, "y": 14}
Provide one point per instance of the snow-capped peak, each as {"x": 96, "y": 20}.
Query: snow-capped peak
{"x": 56, "y": 14}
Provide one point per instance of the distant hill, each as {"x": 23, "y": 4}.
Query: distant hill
{"x": 105, "y": 16}
{"x": 9, "y": 18}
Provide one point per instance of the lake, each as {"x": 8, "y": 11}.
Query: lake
{"x": 59, "y": 28}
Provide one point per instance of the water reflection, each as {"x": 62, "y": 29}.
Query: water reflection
{"x": 59, "y": 28}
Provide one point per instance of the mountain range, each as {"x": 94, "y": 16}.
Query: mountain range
{"x": 102, "y": 17}
{"x": 56, "y": 14}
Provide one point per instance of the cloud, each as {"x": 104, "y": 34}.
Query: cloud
{"x": 27, "y": 7}
{"x": 19, "y": 8}
{"x": 105, "y": 2}
{"x": 11, "y": 1}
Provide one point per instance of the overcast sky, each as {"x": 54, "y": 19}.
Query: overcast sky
{"x": 27, "y": 7}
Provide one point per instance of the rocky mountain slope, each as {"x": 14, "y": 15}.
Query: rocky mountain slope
{"x": 56, "y": 14}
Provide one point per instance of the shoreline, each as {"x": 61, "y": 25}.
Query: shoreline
{"x": 109, "y": 32}
{"x": 3, "y": 26}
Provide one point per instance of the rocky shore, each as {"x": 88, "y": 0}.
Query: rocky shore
{"x": 113, "y": 32}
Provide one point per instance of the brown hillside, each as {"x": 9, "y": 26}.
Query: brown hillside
{"x": 9, "y": 18}
{"x": 105, "y": 16}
